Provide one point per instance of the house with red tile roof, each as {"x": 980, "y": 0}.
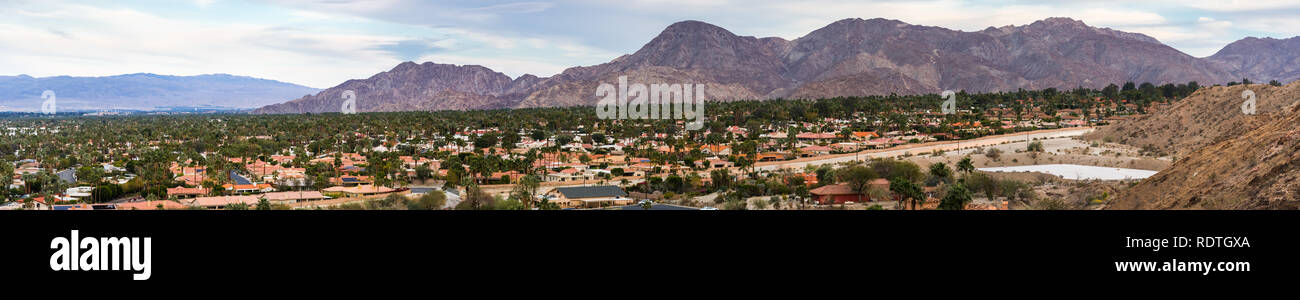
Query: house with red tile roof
{"x": 722, "y": 150}
{"x": 815, "y": 136}
{"x": 185, "y": 192}
{"x": 249, "y": 188}
{"x": 220, "y": 202}
{"x": 360, "y": 190}
{"x": 292, "y": 196}
{"x": 843, "y": 193}
{"x": 865, "y": 135}
{"x": 814, "y": 150}
{"x": 150, "y": 205}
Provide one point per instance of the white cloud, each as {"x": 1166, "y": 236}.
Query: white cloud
{"x": 1282, "y": 26}
{"x": 510, "y": 66}
{"x": 93, "y": 41}
{"x": 322, "y": 43}
{"x": 1240, "y": 5}
{"x": 1211, "y": 23}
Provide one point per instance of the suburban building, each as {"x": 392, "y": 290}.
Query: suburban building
{"x": 220, "y": 202}
{"x": 292, "y": 197}
{"x": 842, "y": 193}
{"x": 360, "y": 190}
{"x": 589, "y": 196}
{"x": 184, "y": 192}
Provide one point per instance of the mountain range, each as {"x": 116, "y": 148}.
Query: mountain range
{"x": 144, "y": 91}
{"x": 849, "y": 57}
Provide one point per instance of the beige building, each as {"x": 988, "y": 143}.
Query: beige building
{"x": 589, "y": 196}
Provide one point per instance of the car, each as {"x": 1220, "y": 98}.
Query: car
{"x": 643, "y": 202}
{"x": 708, "y": 208}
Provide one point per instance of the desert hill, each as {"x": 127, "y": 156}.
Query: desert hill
{"x": 1254, "y": 165}
{"x": 1210, "y": 115}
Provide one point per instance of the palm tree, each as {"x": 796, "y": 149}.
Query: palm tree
{"x": 965, "y": 165}
{"x": 906, "y": 190}
{"x": 940, "y": 171}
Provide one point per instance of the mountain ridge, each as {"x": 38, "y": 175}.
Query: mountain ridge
{"x": 849, "y": 57}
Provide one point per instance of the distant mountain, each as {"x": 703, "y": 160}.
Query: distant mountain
{"x": 850, "y": 57}
{"x": 145, "y": 92}
{"x": 411, "y": 86}
{"x": 1262, "y": 59}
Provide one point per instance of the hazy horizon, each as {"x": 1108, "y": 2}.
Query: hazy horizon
{"x": 320, "y": 44}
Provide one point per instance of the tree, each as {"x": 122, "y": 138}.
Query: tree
{"x": 906, "y": 190}
{"x": 508, "y": 204}
{"x": 825, "y": 175}
{"x": 858, "y": 177}
{"x": 1036, "y": 146}
{"x": 1111, "y": 92}
{"x": 526, "y": 190}
{"x": 956, "y": 199}
{"x": 476, "y": 199}
{"x": 263, "y": 204}
{"x": 1015, "y": 190}
{"x": 390, "y": 202}
{"x": 721, "y": 178}
{"x": 983, "y": 182}
{"x": 965, "y": 165}
{"x": 90, "y": 174}
{"x": 485, "y": 141}
{"x": 509, "y": 139}
{"x": 993, "y": 153}
{"x": 422, "y": 172}
{"x": 433, "y": 200}
{"x": 939, "y": 172}
{"x": 891, "y": 168}
{"x": 735, "y": 204}
{"x": 563, "y": 139}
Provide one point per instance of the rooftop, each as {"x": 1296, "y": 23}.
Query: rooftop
{"x": 591, "y": 191}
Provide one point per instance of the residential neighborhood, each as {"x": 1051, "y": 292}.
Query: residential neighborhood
{"x": 741, "y": 156}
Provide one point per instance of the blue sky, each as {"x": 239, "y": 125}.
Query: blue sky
{"x": 321, "y": 43}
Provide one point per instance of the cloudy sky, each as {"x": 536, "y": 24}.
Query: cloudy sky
{"x": 321, "y": 43}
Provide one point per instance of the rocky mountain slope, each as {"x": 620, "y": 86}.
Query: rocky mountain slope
{"x": 1211, "y": 115}
{"x": 1262, "y": 59}
{"x": 411, "y": 86}
{"x": 847, "y": 58}
{"x": 1257, "y": 169}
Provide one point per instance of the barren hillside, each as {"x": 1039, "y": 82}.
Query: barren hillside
{"x": 1257, "y": 169}
{"x": 1206, "y": 117}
